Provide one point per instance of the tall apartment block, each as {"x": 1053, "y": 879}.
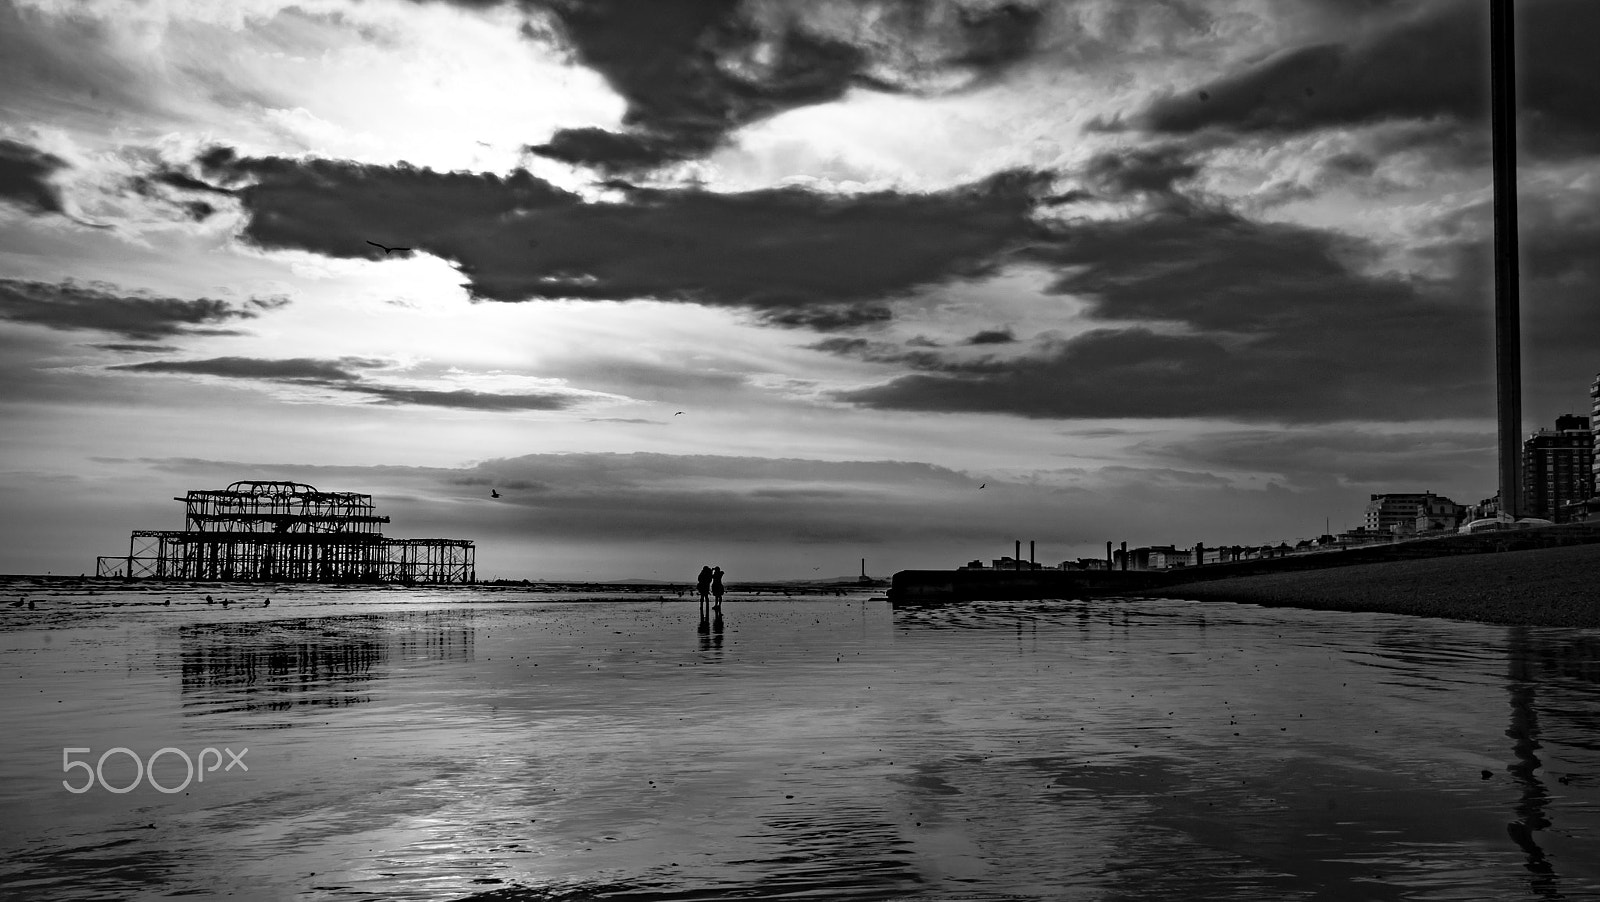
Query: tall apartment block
{"x": 1558, "y": 467}
{"x": 1594, "y": 421}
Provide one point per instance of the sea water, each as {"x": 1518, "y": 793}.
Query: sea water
{"x": 446, "y": 744}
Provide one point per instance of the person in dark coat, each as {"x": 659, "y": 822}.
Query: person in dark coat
{"x": 716, "y": 586}
{"x": 705, "y": 584}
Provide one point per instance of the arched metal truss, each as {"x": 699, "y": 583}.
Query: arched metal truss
{"x": 288, "y": 532}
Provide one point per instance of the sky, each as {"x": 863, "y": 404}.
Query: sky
{"x": 776, "y": 285}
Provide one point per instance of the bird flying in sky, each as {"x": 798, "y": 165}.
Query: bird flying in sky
{"x": 387, "y": 250}
{"x": 494, "y": 493}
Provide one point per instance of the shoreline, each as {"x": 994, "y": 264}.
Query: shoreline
{"x": 1557, "y": 586}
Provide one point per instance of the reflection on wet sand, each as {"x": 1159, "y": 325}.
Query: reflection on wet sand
{"x": 1527, "y": 657}
{"x": 813, "y": 750}
{"x": 277, "y": 665}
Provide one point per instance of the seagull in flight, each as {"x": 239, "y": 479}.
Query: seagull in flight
{"x": 981, "y": 486}
{"x": 494, "y": 493}
{"x": 387, "y": 250}
{"x": 678, "y": 414}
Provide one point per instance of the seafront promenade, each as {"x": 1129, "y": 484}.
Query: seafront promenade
{"x": 1556, "y": 586}
{"x": 1548, "y": 576}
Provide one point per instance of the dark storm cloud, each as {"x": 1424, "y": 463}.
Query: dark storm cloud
{"x": 98, "y": 306}
{"x": 1356, "y": 164}
{"x": 335, "y": 207}
{"x": 1266, "y": 322}
{"x": 616, "y": 152}
{"x": 1342, "y": 456}
{"x": 128, "y": 348}
{"x": 25, "y": 178}
{"x": 880, "y": 351}
{"x": 992, "y": 337}
{"x": 297, "y": 369}
{"x": 343, "y": 375}
{"x": 160, "y": 187}
{"x": 694, "y": 71}
{"x": 1422, "y": 67}
{"x": 798, "y": 257}
{"x": 463, "y": 399}
{"x": 835, "y": 318}
{"x": 1147, "y": 170}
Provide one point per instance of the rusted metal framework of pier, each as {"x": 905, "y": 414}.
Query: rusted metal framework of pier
{"x": 287, "y": 532}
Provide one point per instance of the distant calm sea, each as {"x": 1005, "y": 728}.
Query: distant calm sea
{"x": 457, "y": 743}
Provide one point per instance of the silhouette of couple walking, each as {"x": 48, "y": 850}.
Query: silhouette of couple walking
{"x": 711, "y": 584}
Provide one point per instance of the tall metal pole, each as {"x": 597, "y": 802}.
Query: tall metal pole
{"x": 1507, "y": 325}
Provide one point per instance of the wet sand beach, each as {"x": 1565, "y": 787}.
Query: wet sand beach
{"x": 497, "y": 745}
{"x": 1534, "y": 587}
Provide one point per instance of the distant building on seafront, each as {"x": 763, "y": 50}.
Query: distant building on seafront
{"x": 1438, "y": 515}
{"x": 1558, "y": 468}
{"x": 1010, "y": 563}
{"x": 1411, "y": 512}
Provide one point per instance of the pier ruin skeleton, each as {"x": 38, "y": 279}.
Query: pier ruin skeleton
{"x": 288, "y": 532}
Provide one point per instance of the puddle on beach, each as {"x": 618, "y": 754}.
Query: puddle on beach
{"x": 501, "y": 745}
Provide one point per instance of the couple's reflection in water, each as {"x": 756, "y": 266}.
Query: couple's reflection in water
{"x": 1532, "y": 659}
{"x": 711, "y": 626}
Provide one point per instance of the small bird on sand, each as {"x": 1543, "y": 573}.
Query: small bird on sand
{"x": 265, "y": 602}
{"x": 209, "y": 601}
{"x": 494, "y": 493}
{"x": 388, "y": 250}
